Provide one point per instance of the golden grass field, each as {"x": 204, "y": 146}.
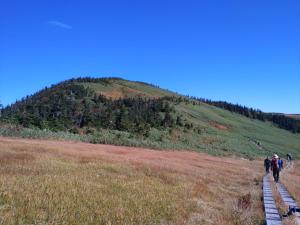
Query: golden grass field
{"x": 59, "y": 182}
{"x": 290, "y": 177}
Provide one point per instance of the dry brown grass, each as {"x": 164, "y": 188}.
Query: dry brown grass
{"x": 290, "y": 177}
{"x": 282, "y": 207}
{"x": 55, "y": 182}
{"x": 123, "y": 92}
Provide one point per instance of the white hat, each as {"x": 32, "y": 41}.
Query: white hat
{"x": 276, "y": 156}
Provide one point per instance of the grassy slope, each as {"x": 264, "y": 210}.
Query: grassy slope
{"x": 123, "y": 88}
{"x": 239, "y": 134}
{"x": 220, "y": 132}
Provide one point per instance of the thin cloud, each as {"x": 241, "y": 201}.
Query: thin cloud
{"x": 59, "y": 24}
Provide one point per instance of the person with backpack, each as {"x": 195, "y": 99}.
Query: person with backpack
{"x": 267, "y": 164}
{"x": 275, "y": 167}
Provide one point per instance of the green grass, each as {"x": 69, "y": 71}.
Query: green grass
{"x": 241, "y": 132}
{"x": 216, "y": 131}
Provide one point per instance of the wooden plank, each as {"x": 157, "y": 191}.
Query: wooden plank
{"x": 270, "y": 206}
{"x": 294, "y": 204}
{"x": 268, "y": 198}
{"x": 285, "y": 194}
{"x": 271, "y": 216}
{"x": 271, "y": 203}
{"x": 274, "y": 222}
{"x": 271, "y": 211}
{"x": 268, "y": 195}
{"x": 287, "y": 198}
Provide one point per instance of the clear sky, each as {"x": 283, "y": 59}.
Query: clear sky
{"x": 245, "y": 52}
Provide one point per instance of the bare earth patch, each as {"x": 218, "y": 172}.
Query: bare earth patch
{"x": 122, "y": 92}
{"x": 219, "y": 126}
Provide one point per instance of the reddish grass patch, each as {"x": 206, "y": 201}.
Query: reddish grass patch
{"x": 220, "y": 126}
{"x": 225, "y": 187}
{"x": 8, "y": 157}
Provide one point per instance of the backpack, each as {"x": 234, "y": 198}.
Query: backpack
{"x": 275, "y": 163}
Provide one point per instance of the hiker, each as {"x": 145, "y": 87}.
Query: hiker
{"x": 280, "y": 164}
{"x": 267, "y": 164}
{"x": 289, "y": 159}
{"x": 289, "y": 156}
{"x": 275, "y": 167}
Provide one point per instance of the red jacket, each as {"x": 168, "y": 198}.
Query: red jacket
{"x": 274, "y": 164}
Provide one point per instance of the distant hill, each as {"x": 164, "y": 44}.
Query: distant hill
{"x": 294, "y": 116}
{"x": 122, "y": 112}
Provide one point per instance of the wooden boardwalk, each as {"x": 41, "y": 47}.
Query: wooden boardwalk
{"x": 287, "y": 198}
{"x": 271, "y": 211}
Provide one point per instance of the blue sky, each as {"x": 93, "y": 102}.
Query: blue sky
{"x": 245, "y": 52}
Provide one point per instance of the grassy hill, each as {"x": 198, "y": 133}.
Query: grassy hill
{"x": 121, "y": 112}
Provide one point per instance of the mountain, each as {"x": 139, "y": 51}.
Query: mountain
{"x": 122, "y": 112}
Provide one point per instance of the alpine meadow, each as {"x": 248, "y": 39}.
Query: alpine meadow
{"x": 210, "y": 164}
{"x": 149, "y": 112}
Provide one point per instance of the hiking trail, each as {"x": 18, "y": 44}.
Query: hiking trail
{"x": 271, "y": 211}
{"x": 272, "y": 215}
